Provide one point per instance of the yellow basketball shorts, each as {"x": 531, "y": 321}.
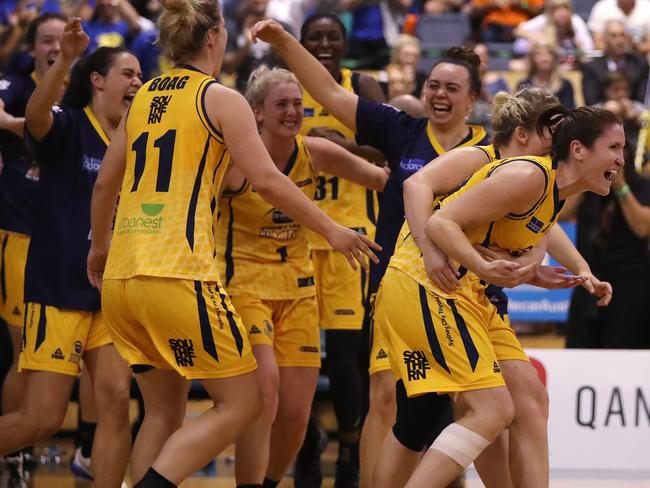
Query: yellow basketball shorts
{"x": 55, "y": 339}
{"x": 289, "y": 326}
{"x": 189, "y": 326}
{"x": 379, "y": 351}
{"x": 440, "y": 344}
{"x": 12, "y": 276}
{"x": 341, "y": 290}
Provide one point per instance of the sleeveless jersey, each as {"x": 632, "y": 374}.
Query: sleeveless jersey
{"x": 265, "y": 253}
{"x": 175, "y": 163}
{"x": 347, "y": 203}
{"x": 516, "y": 233}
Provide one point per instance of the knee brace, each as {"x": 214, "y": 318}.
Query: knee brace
{"x": 418, "y": 418}
{"x": 461, "y": 444}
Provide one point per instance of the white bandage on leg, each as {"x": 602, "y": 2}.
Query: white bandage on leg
{"x": 460, "y": 444}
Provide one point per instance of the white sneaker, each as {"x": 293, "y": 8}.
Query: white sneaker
{"x": 80, "y": 466}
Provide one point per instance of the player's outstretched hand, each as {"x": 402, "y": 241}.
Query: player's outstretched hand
{"x": 268, "y": 30}
{"x": 74, "y": 41}
{"x": 552, "y": 277}
{"x": 601, "y": 289}
{"x": 95, "y": 265}
{"x": 353, "y": 245}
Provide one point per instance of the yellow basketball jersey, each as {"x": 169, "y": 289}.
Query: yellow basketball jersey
{"x": 514, "y": 233}
{"x": 175, "y": 163}
{"x": 265, "y": 253}
{"x": 345, "y": 202}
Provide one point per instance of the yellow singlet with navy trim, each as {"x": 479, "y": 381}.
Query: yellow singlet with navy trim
{"x": 347, "y": 203}
{"x": 175, "y": 162}
{"x": 407, "y": 256}
{"x": 263, "y": 252}
{"x": 514, "y": 233}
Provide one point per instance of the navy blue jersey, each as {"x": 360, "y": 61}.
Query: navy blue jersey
{"x": 70, "y": 156}
{"x": 408, "y": 144}
{"x": 19, "y": 177}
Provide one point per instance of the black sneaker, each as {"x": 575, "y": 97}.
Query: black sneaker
{"x": 347, "y": 466}
{"x": 13, "y": 474}
{"x": 307, "y": 473}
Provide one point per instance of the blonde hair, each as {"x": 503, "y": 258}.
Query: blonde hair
{"x": 519, "y": 110}
{"x": 403, "y": 40}
{"x": 262, "y": 78}
{"x": 184, "y": 24}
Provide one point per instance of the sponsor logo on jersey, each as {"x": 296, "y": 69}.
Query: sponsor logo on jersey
{"x": 254, "y": 330}
{"x": 15, "y": 311}
{"x": 150, "y": 223}
{"x": 306, "y": 182}
{"x": 183, "y": 350}
{"x": 308, "y": 349}
{"x": 410, "y": 165}
{"x": 535, "y": 225}
{"x": 496, "y": 368}
{"x": 307, "y": 281}
{"x": 343, "y": 311}
{"x": 280, "y": 217}
{"x": 308, "y": 112}
{"x": 58, "y": 354}
{"x": 381, "y": 354}
{"x": 91, "y": 164}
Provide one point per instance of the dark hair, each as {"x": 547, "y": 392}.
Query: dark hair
{"x": 616, "y": 77}
{"x": 584, "y": 124}
{"x": 32, "y": 29}
{"x": 307, "y": 23}
{"x": 79, "y": 92}
{"x": 462, "y": 56}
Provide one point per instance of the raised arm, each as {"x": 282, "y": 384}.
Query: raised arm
{"x": 482, "y": 204}
{"x": 437, "y": 178}
{"x": 332, "y": 158}
{"x": 230, "y": 111}
{"x": 38, "y": 113}
{"x": 313, "y": 75}
{"x": 103, "y": 203}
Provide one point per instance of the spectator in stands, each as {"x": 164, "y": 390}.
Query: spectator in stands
{"x": 498, "y": 19}
{"x": 613, "y": 234}
{"x": 617, "y": 94}
{"x": 616, "y": 58}
{"x": 559, "y": 26}
{"x": 634, "y": 14}
{"x": 291, "y": 12}
{"x": 491, "y": 84}
{"x": 242, "y": 56}
{"x": 543, "y": 71}
{"x": 114, "y": 24}
{"x": 402, "y": 71}
{"x": 375, "y": 27}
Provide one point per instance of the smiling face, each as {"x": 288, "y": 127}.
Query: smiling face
{"x": 119, "y": 85}
{"x": 447, "y": 96}
{"x": 47, "y": 44}
{"x": 325, "y": 40}
{"x": 281, "y": 114}
{"x": 603, "y": 160}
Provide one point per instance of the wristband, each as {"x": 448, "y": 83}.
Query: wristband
{"x": 625, "y": 189}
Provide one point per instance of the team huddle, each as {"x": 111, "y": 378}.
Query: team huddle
{"x": 183, "y": 232}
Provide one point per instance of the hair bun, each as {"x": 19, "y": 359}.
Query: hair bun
{"x": 183, "y": 8}
{"x": 463, "y": 54}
